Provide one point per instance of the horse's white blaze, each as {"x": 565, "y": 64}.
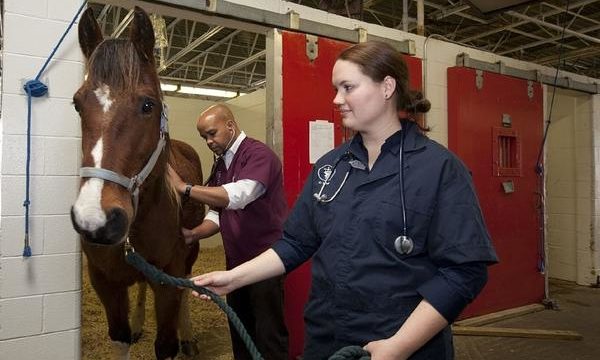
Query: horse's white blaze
{"x": 87, "y": 209}
{"x": 103, "y": 96}
{"x": 120, "y": 350}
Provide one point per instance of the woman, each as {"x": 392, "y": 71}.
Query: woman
{"x": 386, "y": 276}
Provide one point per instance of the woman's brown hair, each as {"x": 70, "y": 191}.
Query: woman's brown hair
{"x": 377, "y": 60}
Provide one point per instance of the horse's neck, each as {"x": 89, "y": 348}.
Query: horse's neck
{"x": 157, "y": 202}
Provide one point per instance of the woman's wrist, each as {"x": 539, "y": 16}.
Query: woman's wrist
{"x": 402, "y": 348}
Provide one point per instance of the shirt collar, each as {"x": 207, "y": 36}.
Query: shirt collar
{"x": 413, "y": 140}
{"x": 236, "y": 144}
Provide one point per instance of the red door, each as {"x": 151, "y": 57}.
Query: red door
{"x": 495, "y": 127}
{"x": 307, "y": 96}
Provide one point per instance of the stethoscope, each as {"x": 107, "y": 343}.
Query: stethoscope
{"x": 216, "y": 159}
{"x": 403, "y": 244}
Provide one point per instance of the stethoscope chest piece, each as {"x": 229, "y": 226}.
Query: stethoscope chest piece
{"x": 404, "y": 245}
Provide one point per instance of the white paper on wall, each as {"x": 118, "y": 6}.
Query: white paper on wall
{"x": 320, "y": 139}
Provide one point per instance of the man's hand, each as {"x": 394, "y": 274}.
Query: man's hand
{"x": 190, "y": 236}
{"x": 175, "y": 179}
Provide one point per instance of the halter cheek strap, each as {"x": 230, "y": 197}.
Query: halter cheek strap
{"x": 134, "y": 183}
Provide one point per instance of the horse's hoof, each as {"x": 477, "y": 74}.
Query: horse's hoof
{"x": 135, "y": 337}
{"x": 189, "y": 348}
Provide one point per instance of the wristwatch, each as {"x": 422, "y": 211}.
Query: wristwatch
{"x": 188, "y": 190}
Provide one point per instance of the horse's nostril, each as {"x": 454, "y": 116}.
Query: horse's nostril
{"x": 116, "y": 224}
{"x": 111, "y": 233}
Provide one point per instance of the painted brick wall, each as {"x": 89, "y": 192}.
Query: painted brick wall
{"x": 595, "y": 243}
{"x": 569, "y": 187}
{"x": 40, "y": 297}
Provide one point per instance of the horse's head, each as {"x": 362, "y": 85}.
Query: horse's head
{"x": 120, "y": 108}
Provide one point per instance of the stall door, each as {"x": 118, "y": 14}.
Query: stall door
{"x": 495, "y": 126}
{"x": 307, "y": 96}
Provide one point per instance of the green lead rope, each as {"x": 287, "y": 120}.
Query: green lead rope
{"x": 157, "y": 276}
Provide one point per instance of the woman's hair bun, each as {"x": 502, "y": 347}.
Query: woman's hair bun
{"x": 418, "y": 104}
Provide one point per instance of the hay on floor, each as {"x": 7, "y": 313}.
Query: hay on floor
{"x": 211, "y": 331}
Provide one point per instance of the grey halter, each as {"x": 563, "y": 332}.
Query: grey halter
{"x": 133, "y": 184}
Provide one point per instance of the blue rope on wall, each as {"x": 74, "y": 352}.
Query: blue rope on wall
{"x": 35, "y": 88}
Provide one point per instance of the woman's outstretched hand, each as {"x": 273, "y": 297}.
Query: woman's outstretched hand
{"x": 219, "y": 282}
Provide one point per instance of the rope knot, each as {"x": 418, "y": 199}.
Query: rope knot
{"x": 35, "y": 88}
{"x": 351, "y": 353}
{"x": 26, "y": 203}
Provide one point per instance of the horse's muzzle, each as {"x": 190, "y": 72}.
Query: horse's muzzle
{"x": 112, "y": 233}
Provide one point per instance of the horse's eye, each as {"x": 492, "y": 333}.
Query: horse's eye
{"x": 147, "y": 106}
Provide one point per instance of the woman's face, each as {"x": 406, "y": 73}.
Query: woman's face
{"x": 360, "y": 100}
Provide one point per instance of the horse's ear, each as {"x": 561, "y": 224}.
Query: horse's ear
{"x": 142, "y": 34}
{"x": 90, "y": 34}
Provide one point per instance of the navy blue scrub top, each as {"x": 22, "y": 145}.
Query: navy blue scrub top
{"x": 362, "y": 289}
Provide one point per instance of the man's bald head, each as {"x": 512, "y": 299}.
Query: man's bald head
{"x": 218, "y": 127}
{"x": 216, "y": 113}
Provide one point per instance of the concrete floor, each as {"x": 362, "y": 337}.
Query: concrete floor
{"x": 579, "y": 310}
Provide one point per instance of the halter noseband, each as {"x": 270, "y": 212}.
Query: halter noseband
{"x": 134, "y": 183}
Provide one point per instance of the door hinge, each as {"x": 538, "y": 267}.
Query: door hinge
{"x": 530, "y": 89}
{"x": 479, "y": 79}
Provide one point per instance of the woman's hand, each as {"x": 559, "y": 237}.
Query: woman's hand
{"x": 220, "y": 282}
{"x": 384, "y": 350}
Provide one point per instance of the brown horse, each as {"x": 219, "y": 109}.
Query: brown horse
{"x": 125, "y": 193}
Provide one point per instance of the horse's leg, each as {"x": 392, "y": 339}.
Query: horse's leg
{"x": 188, "y": 345}
{"x": 167, "y": 301}
{"x": 115, "y": 300}
{"x": 139, "y": 312}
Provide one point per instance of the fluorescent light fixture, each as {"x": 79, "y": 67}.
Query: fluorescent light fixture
{"x": 207, "y": 92}
{"x": 168, "y": 87}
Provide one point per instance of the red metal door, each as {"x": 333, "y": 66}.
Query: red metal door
{"x": 307, "y": 96}
{"x": 495, "y": 127}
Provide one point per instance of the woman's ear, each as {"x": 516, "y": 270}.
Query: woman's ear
{"x": 389, "y": 86}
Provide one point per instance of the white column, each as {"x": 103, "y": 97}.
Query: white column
{"x": 584, "y": 165}
{"x": 595, "y": 241}
{"x": 39, "y": 296}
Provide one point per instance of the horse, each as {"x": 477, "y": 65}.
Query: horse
{"x": 125, "y": 195}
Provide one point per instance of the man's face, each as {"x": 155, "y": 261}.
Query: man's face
{"x": 217, "y": 133}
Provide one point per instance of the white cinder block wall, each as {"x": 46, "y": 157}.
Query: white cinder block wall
{"x": 569, "y": 187}
{"x": 39, "y": 296}
{"x": 595, "y": 243}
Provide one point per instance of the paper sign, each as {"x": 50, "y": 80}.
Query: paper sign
{"x": 320, "y": 139}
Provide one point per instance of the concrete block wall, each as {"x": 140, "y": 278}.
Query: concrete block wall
{"x": 569, "y": 169}
{"x": 595, "y": 243}
{"x": 583, "y": 187}
{"x": 39, "y": 296}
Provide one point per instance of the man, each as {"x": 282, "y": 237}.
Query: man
{"x": 247, "y": 204}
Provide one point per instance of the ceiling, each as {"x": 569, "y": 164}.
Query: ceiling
{"x": 197, "y": 54}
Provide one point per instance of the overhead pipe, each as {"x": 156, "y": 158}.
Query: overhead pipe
{"x": 421, "y": 17}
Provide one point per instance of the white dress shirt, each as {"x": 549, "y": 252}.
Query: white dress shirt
{"x": 241, "y": 192}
